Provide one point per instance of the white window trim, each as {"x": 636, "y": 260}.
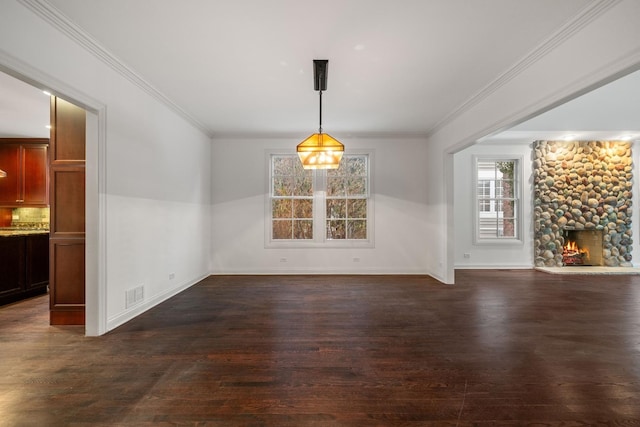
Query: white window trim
{"x": 477, "y": 241}
{"x": 319, "y": 203}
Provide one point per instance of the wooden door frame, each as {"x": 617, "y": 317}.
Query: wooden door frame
{"x": 95, "y": 193}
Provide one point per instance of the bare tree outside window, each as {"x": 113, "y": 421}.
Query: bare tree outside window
{"x": 291, "y": 200}
{"x": 343, "y": 193}
{"x": 347, "y": 191}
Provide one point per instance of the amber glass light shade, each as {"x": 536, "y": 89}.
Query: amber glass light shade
{"x": 320, "y": 151}
{"x": 3, "y": 174}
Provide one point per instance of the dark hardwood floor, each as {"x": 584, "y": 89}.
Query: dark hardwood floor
{"x": 500, "y": 348}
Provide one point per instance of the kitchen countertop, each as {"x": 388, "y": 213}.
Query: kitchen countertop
{"x": 11, "y": 232}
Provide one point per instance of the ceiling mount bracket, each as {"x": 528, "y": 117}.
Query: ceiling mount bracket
{"x": 320, "y": 74}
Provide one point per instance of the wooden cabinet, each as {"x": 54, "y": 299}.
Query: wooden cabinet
{"x": 24, "y": 270}
{"x": 67, "y": 243}
{"x": 36, "y": 262}
{"x": 10, "y": 184}
{"x": 26, "y": 163}
{"x": 35, "y": 175}
{"x": 12, "y": 270}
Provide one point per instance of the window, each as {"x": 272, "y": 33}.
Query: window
{"x": 484, "y": 194}
{"x": 497, "y": 199}
{"x": 291, "y": 199}
{"x": 346, "y": 202}
{"x": 319, "y": 207}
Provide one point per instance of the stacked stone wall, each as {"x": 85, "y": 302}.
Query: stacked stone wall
{"x": 582, "y": 185}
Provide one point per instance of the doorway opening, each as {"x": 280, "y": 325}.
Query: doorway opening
{"x": 95, "y": 208}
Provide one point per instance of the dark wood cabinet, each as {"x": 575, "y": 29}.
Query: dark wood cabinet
{"x": 26, "y": 163}
{"x": 10, "y": 184}
{"x": 24, "y": 270}
{"x": 35, "y": 175}
{"x": 67, "y": 194}
{"x": 12, "y": 253}
{"x": 37, "y": 261}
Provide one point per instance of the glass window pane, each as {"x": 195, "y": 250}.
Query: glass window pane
{"x": 281, "y": 208}
{"x": 332, "y": 173}
{"x": 336, "y": 208}
{"x": 303, "y": 229}
{"x": 336, "y": 229}
{"x": 282, "y": 165}
{"x": 282, "y": 229}
{"x": 484, "y": 189}
{"x": 507, "y": 227}
{"x": 282, "y": 186}
{"x": 357, "y": 166}
{"x": 336, "y": 186}
{"x": 506, "y": 169}
{"x": 357, "y": 229}
{"x": 504, "y": 188}
{"x": 303, "y": 208}
{"x": 340, "y": 171}
{"x": 507, "y": 207}
{"x": 357, "y": 208}
{"x": 357, "y": 186}
{"x": 303, "y": 186}
{"x": 297, "y": 167}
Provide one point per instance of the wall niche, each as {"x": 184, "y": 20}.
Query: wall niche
{"x": 582, "y": 185}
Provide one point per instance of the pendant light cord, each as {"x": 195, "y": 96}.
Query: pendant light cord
{"x": 320, "y": 129}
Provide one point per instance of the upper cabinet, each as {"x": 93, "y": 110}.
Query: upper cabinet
{"x": 25, "y": 161}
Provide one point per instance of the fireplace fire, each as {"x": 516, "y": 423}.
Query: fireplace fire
{"x": 582, "y": 247}
{"x": 572, "y": 254}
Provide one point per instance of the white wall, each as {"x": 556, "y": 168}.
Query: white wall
{"x": 154, "y": 213}
{"x": 518, "y": 255}
{"x": 238, "y": 211}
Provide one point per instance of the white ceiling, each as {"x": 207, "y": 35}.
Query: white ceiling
{"x": 24, "y": 110}
{"x": 609, "y": 112}
{"x": 244, "y": 67}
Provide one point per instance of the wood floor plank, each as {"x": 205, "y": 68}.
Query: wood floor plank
{"x": 499, "y": 348}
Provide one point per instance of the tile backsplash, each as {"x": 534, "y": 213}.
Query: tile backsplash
{"x": 30, "y": 218}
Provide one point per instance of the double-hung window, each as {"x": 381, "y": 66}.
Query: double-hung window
{"x": 331, "y": 207}
{"x": 498, "y": 189}
{"x": 291, "y": 199}
{"x": 347, "y": 197}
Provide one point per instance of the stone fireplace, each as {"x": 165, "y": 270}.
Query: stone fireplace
{"x": 582, "y": 185}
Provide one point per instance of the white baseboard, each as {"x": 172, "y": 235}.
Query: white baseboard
{"x": 494, "y": 266}
{"x": 327, "y": 271}
{"x": 137, "y": 310}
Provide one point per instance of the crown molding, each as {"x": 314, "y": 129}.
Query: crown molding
{"x": 301, "y": 135}
{"x": 62, "y": 23}
{"x": 588, "y": 14}
{"x": 611, "y": 71}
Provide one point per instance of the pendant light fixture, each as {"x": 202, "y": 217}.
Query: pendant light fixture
{"x": 320, "y": 150}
